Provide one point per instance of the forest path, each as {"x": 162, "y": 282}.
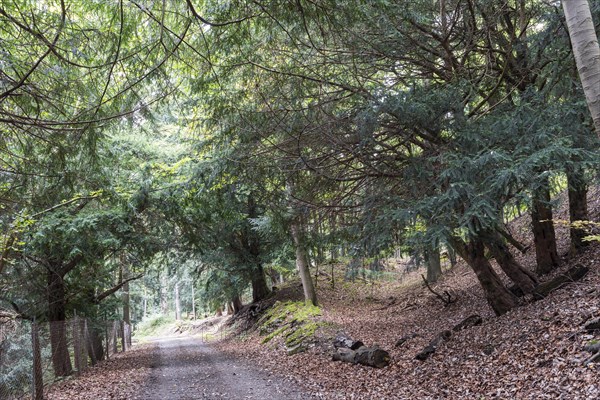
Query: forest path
{"x": 187, "y": 368}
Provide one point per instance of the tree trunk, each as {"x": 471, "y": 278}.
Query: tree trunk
{"x": 177, "y": 303}
{"x": 451, "y": 256}
{"x": 237, "y": 304}
{"x": 498, "y": 296}
{"x": 586, "y": 51}
{"x": 260, "y": 290}
{"x": 433, "y": 262}
{"x": 310, "y": 295}
{"x": 61, "y": 360}
{"x": 525, "y": 280}
{"x": 193, "y": 303}
{"x": 164, "y": 297}
{"x": 544, "y": 237}
{"x": 94, "y": 344}
{"x": 578, "y": 210}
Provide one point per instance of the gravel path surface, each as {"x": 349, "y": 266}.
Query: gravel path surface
{"x": 186, "y": 368}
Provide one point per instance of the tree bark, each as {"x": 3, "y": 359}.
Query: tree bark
{"x": 61, "y": 361}
{"x": 578, "y": 210}
{"x": 497, "y": 295}
{"x": 586, "y": 51}
{"x": 544, "y": 238}
{"x": 310, "y": 295}
{"x": 237, "y": 304}
{"x": 525, "y": 280}
{"x": 260, "y": 289}
{"x": 433, "y": 262}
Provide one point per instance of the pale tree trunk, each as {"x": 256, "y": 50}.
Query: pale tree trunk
{"x": 310, "y": 295}
{"x": 586, "y": 51}
{"x": 193, "y": 302}
{"x": 177, "y": 303}
{"x": 164, "y": 305}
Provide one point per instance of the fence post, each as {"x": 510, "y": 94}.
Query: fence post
{"x": 37, "y": 377}
{"x": 76, "y": 344}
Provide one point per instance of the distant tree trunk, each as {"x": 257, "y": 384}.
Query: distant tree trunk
{"x": 310, "y": 295}
{"x": 237, "y": 304}
{"x": 193, "y": 303}
{"x": 433, "y": 262}
{"x": 500, "y": 299}
{"x": 451, "y": 256}
{"x": 95, "y": 346}
{"x": 164, "y": 305}
{"x": 521, "y": 277}
{"x": 578, "y": 210}
{"x": 229, "y": 308}
{"x": 587, "y": 52}
{"x": 61, "y": 360}
{"x": 125, "y": 291}
{"x": 177, "y": 303}
{"x": 544, "y": 238}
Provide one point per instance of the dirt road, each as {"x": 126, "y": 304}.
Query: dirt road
{"x": 186, "y": 369}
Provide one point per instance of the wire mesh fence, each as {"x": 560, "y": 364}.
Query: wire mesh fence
{"x": 33, "y": 355}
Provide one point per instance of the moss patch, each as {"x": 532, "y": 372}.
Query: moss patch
{"x": 294, "y": 322}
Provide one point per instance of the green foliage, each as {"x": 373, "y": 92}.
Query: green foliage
{"x": 154, "y": 326}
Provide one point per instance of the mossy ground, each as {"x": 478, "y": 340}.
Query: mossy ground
{"x": 294, "y": 322}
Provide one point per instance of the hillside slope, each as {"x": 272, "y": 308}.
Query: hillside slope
{"x": 533, "y": 352}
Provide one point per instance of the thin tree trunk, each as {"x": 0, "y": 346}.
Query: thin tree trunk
{"x": 177, "y": 303}
{"x": 61, "y": 361}
{"x": 193, "y": 303}
{"x": 544, "y": 238}
{"x": 578, "y": 210}
{"x": 310, "y": 295}
{"x": 500, "y": 299}
{"x": 164, "y": 305}
{"x": 521, "y": 277}
{"x": 586, "y": 51}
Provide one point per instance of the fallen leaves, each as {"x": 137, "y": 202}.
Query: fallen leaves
{"x": 116, "y": 379}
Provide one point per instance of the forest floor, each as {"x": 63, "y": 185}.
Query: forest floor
{"x": 536, "y": 351}
{"x": 533, "y": 352}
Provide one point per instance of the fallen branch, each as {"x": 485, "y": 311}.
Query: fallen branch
{"x": 433, "y": 345}
{"x": 447, "y": 301}
{"x": 571, "y": 275}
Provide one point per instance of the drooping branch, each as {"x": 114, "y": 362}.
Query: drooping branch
{"x": 214, "y": 24}
{"x": 98, "y": 298}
